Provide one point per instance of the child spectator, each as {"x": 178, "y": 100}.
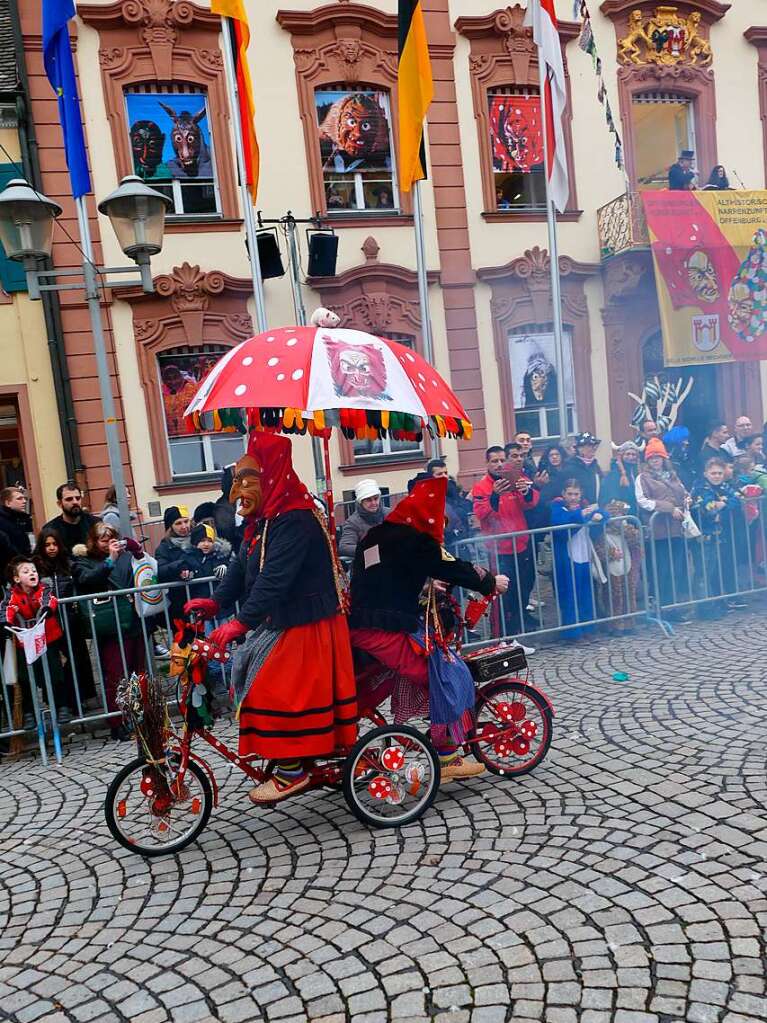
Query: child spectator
{"x": 207, "y": 557}
{"x": 27, "y": 597}
{"x": 716, "y": 505}
{"x": 620, "y": 551}
{"x": 573, "y": 554}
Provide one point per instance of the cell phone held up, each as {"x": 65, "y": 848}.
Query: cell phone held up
{"x": 511, "y": 473}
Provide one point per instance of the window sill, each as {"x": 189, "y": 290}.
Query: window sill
{"x": 193, "y": 225}
{"x": 529, "y": 216}
{"x": 385, "y": 462}
{"x": 338, "y": 220}
{"x": 190, "y": 484}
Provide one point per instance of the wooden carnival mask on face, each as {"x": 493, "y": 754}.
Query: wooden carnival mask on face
{"x": 246, "y": 486}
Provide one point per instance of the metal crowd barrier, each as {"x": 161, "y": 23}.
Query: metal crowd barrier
{"x": 550, "y": 592}
{"x": 85, "y": 679}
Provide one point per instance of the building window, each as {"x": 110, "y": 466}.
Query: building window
{"x": 386, "y": 448}
{"x": 180, "y": 372}
{"x": 172, "y": 147}
{"x": 664, "y": 125}
{"x": 356, "y": 150}
{"x": 516, "y": 147}
{"x": 535, "y": 385}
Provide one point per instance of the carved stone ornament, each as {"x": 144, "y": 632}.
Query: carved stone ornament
{"x": 376, "y": 311}
{"x": 349, "y": 52}
{"x": 517, "y": 37}
{"x": 666, "y": 39}
{"x": 189, "y": 288}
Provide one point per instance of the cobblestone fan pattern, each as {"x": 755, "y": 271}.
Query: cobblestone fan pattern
{"x": 624, "y": 881}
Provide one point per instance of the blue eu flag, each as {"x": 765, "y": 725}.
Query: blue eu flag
{"x": 60, "y": 69}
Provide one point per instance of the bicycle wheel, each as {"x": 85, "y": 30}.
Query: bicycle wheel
{"x": 513, "y": 728}
{"x": 146, "y": 814}
{"x": 391, "y": 776}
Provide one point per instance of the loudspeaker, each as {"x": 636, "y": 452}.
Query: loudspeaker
{"x": 269, "y": 256}
{"x": 323, "y": 251}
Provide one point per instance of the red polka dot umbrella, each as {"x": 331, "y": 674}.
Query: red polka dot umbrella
{"x": 299, "y": 379}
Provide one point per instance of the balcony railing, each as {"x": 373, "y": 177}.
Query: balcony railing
{"x": 622, "y": 225}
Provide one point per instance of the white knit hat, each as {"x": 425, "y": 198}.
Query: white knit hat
{"x": 365, "y": 489}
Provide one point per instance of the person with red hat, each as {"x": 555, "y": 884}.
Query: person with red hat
{"x": 391, "y": 567}
{"x": 293, "y": 676}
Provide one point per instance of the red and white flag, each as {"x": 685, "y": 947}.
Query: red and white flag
{"x": 542, "y": 17}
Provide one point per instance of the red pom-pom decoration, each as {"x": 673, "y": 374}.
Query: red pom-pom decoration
{"x": 147, "y": 786}
{"x": 509, "y": 712}
{"x": 502, "y": 747}
{"x": 529, "y": 729}
{"x": 520, "y": 745}
{"x": 380, "y": 787}
{"x": 393, "y": 759}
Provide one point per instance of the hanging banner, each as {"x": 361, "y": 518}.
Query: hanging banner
{"x": 710, "y": 257}
{"x": 515, "y": 133}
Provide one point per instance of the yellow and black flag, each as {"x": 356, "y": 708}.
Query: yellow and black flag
{"x": 416, "y": 90}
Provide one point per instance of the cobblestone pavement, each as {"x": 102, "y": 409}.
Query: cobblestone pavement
{"x": 625, "y": 880}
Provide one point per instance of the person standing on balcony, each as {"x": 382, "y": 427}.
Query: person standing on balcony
{"x": 680, "y": 174}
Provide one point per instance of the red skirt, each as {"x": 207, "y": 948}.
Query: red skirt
{"x": 303, "y": 701}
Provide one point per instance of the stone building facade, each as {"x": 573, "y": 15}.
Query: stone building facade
{"x": 486, "y": 240}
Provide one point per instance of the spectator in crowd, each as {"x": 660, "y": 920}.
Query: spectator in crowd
{"x": 437, "y": 467}
{"x": 743, "y": 429}
{"x": 27, "y": 597}
{"x": 551, "y": 463}
{"x": 208, "y": 556}
{"x": 648, "y": 429}
{"x": 15, "y": 526}
{"x": 716, "y": 506}
{"x": 620, "y": 551}
{"x": 584, "y": 467}
{"x": 73, "y": 524}
{"x": 573, "y": 556}
{"x": 659, "y": 490}
{"x": 110, "y": 513}
{"x": 501, "y": 501}
{"x": 552, "y": 460}
{"x": 171, "y": 556}
{"x": 222, "y": 515}
{"x": 368, "y": 513}
{"x": 752, "y": 444}
{"x": 54, "y": 566}
{"x": 717, "y": 180}
{"x": 713, "y": 445}
{"x": 619, "y": 483}
{"x": 105, "y": 562}
{"x": 681, "y": 176}
{"x": 525, "y": 441}
{"x": 677, "y": 443}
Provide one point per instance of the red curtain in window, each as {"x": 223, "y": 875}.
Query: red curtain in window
{"x": 516, "y": 141}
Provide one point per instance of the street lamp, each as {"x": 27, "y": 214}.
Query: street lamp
{"x": 137, "y": 214}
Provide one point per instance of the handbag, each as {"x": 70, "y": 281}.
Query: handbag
{"x": 690, "y": 526}
{"x": 107, "y": 623}
{"x": 148, "y": 601}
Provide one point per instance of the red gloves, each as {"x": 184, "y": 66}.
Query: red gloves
{"x": 134, "y": 547}
{"x": 227, "y": 633}
{"x": 204, "y": 607}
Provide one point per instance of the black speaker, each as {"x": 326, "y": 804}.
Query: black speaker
{"x": 323, "y": 252}
{"x": 269, "y": 256}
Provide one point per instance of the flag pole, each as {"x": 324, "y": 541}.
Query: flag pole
{"x": 247, "y": 202}
{"x": 556, "y": 284}
{"x": 423, "y": 291}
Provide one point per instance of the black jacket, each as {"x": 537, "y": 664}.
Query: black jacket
{"x": 202, "y": 565}
{"x": 296, "y": 586}
{"x": 678, "y": 178}
{"x": 588, "y": 475}
{"x": 97, "y": 575}
{"x": 385, "y": 594}
{"x": 72, "y": 533}
{"x": 15, "y": 528}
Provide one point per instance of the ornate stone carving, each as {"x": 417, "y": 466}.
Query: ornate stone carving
{"x": 111, "y": 55}
{"x": 212, "y": 58}
{"x": 189, "y": 288}
{"x": 144, "y": 329}
{"x": 511, "y": 25}
{"x": 370, "y": 249}
{"x": 376, "y": 311}
{"x": 239, "y": 324}
{"x": 665, "y": 39}
{"x": 349, "y": 52}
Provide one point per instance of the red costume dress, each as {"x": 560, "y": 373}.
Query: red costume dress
{"x": 296, "y": 677}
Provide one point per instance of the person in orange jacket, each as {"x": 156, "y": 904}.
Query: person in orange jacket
{"x": 501, "y": 502}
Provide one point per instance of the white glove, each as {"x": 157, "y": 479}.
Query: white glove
{"x": 219, "y": 571}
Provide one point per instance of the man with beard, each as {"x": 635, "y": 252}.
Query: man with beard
{"x": 15, "y": 527}
{"x": 73, "y": 525}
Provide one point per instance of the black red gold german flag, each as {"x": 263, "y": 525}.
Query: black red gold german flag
{"x": 416, "y": 90}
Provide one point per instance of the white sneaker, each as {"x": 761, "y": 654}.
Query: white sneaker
{"x": 528, "y": 651}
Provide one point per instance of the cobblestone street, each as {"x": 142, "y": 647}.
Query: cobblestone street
{"x": 625, "y": 880}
